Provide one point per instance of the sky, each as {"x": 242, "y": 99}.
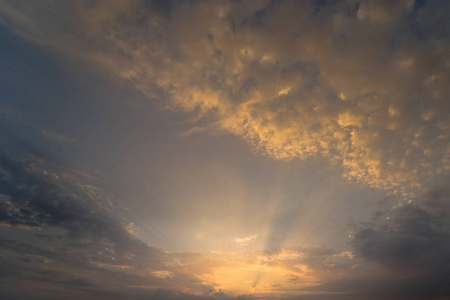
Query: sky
{"x": 202, "y": 150}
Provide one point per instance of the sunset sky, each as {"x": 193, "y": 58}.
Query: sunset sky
{"x": 201, "y": 150}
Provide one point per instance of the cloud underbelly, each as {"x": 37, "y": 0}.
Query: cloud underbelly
{"x": 360, "y": 88}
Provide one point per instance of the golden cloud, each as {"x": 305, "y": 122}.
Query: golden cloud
{"x": 351, "y": 82}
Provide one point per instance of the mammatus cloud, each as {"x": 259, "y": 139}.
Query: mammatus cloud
{"x": 361, "y": 83}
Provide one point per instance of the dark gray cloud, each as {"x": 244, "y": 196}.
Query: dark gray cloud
{"x": 14, "y": 217}
{"x": 415, "y": 237}
{"x": 47, "y": 199}
{"x": 413, "y": 244}
{"x": 163, "y": 7}
{"x": 162, "y": 294}
{"x": 86, "y": 237}
{"x": 381, "y": 287}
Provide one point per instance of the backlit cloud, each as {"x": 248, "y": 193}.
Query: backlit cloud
{"x": 245, "y": 240}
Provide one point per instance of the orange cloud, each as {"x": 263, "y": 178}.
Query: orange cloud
{"x": 292, "y": 83}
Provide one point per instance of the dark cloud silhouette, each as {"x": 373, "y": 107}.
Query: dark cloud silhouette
{"x": 162, "y": 294}
{"x": 90, "y": 240}
{"x": 413, "y": 244}
{"x": 14, "y": 217}
{"x": 46, "y": 199}
{"x": 381, "y": 287}
{"x": 415, "y": 237}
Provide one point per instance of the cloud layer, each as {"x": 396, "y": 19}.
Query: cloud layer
{"x": 67, "y": 239}
{"x": 361, "y": 83}
{"x": 413, "y": 244}
{"x": 72, "y": 243}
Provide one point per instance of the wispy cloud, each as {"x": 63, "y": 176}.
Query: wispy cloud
{"x": 245, "y": 240}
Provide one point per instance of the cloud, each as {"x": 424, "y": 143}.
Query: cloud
{"x": 402, "y": 257}
{"x": 361, "y": 83}
{"x": 416, "y": 235}
{"x": 56, "y": 137}
{"x": 279, "y": 273}
{"x": 108, "y": 262}
{"x": 413, "y": 244}
{"x": 162, "y": 294}
{"x": 80, "y": 231}
{"x": 82, "y": 249}
{"x": 245, "y": 240}
{"x": 46, "y": 199}
{"x": 11, "y": 216}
